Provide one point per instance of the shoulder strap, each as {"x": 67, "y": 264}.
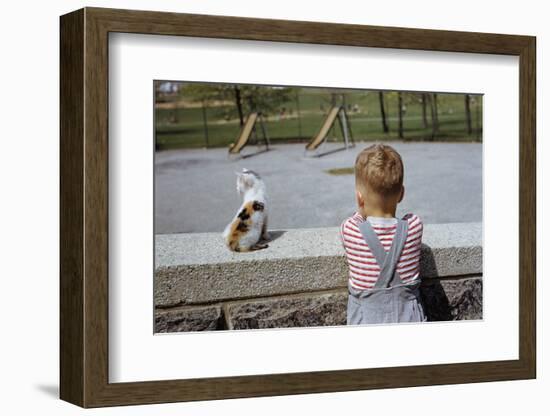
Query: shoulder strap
{"x": 388, "y": 274}
{"x": 371, "y": 238}
{"x": 386, "y": 261}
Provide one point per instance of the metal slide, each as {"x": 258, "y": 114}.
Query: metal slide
{"x": 245, "y": 134}
{"x": 322, "y": 135}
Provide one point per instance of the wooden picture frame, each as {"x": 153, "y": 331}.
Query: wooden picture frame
{"x": 84, "y": 207}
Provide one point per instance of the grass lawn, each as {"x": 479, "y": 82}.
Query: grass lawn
{"x": 341, "y": 171}
{"x": 184, "y": 127}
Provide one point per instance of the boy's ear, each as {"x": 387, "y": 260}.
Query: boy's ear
{"x": 359, "y": 198}
{"x": 402, "y": 194}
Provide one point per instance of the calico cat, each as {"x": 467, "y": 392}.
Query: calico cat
{"x": 248, "y": 230}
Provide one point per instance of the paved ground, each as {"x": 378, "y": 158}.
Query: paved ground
{"x": 195, "y": 189}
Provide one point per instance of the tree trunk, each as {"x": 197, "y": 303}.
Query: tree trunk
{"x": 333, "y": 99}
{"x": 400, "y": 114}
{"x": 385, "y": 127}
{"x": 436, "y": 113}
{"x": 435, "y": 120}
{"x": 205, "y": 124}
{"x": 424, "y": 116}
{"x": 175, "y": 118}
{"x": 468, "y": 114}
{"x": 298, "y": 114}
{"x": 239, "y": 105}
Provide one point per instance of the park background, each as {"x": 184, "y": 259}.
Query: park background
{"x": 198, "y": 137}
{"x": 30, "y": 180}
{"x": 190, "y": 115}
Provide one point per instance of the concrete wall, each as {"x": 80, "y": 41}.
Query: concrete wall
{"x": 300, "y": 280}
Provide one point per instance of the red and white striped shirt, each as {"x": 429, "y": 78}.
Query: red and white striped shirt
{"x": 363, "y": 268}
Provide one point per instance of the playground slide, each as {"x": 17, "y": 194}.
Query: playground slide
{"x": 245, "y": 133}
{"x": 317, "y": 140}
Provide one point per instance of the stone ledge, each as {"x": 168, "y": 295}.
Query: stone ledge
{"x": 453, "y": 299}
{"x": 207, "y": 318}
{"x": 326, "y": 309}
{"x": 198, "y": 268}
{"x": 443, "y": 300}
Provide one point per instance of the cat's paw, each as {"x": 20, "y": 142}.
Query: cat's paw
{"x": 259, "y": 246}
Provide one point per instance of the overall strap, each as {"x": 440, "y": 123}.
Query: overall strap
{"x": 391, "y": 276}
{"x": 371, "y": 238}
{"x": 386, "y": 261}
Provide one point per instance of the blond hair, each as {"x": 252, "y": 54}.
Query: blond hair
{"x": 380, "y": 168}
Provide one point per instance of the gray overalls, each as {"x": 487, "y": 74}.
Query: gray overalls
{"x": 390, "y": 300}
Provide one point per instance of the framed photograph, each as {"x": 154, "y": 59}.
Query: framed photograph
{"x": 255, "y": 207}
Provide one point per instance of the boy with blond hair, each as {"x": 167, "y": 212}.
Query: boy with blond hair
{"x": 382, "y": 251}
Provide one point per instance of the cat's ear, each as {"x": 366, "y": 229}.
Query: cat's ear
{"x": 246, "y": 180}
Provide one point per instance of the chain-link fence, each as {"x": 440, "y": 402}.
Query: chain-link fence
{"x": 190, "y": 115}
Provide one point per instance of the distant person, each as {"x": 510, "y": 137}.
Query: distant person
{"x": 382, "y": 251}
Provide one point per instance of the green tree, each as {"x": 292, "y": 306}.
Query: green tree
{"x": 205, "y": 94}
{"x": 265, "y": 99}
{"x": 247, "y": 98}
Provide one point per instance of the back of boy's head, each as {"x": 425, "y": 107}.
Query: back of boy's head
{"x": 379, "y": 167}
